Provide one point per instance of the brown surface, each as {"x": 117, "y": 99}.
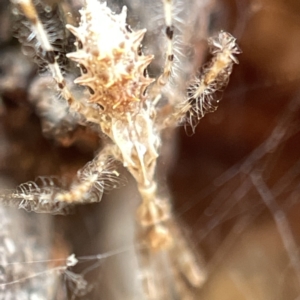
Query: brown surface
{"x": 245, "y": 255}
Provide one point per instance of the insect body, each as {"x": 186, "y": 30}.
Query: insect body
{"x": 122, "y": 101}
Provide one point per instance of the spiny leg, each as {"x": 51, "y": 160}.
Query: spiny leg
{"x": 169, "y": 32}
{"x": 49, "y": 195}
{"x": 169, "y": 56}
{"x": 49, "y": 55}
{"x": 95, "y": 177}
{"x": 202, "y": 92}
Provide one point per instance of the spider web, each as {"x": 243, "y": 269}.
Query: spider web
{"x": 235, "y": 183}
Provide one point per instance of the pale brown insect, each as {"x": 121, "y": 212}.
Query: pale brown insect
{"x": 122, "y": 101}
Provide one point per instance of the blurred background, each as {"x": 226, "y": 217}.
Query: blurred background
{"x": 235, "y": 181}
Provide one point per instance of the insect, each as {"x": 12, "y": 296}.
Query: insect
{"x": 118, "y": 99}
